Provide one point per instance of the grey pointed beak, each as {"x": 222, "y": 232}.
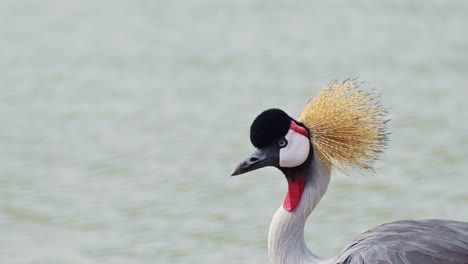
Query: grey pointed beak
{"x": 264, "y": 157}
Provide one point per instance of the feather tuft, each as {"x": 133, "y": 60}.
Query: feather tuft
{"x": 348, "y": 126}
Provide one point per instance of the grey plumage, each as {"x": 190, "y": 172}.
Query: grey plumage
{"x": 410, "y": 241}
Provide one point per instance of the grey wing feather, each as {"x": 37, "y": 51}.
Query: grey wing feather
{"x": 409, "y": 242}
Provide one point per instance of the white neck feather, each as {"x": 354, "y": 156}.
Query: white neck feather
{"x": 286, "y": 243}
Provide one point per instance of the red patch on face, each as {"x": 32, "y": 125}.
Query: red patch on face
{"x": 295, "y": 190}
{"x": 297, "y": 128}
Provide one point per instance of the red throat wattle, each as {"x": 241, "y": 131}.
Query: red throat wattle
{"x": 295, "y": 190}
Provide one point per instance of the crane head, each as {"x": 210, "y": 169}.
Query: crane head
{"x": 342, "y": 127}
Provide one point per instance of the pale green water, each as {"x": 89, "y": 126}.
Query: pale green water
{"x": 121, "y": 121}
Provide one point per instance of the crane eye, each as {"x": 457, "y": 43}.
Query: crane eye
{"x": 282, "y": 143}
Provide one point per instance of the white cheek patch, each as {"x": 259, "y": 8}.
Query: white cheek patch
{"x": 296, "y": 152}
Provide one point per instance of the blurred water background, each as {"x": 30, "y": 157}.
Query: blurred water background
{"x": 121, "y": 121}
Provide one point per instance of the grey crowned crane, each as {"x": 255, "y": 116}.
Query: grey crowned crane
{"x": 343, "y": 127}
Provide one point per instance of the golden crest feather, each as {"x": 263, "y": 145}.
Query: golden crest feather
{"x": 347, "y": 125}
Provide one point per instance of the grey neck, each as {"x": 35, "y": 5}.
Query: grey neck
{"x": 286, "y": 243}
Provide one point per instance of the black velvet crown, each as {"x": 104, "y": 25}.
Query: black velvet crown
{"x": 268, "y": 126}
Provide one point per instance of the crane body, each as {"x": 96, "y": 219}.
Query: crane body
{"x": 346, "y": 129}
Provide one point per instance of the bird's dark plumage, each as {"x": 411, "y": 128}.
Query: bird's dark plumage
{"x": 268, "y": 126}
{"x": 410, "y": 241}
